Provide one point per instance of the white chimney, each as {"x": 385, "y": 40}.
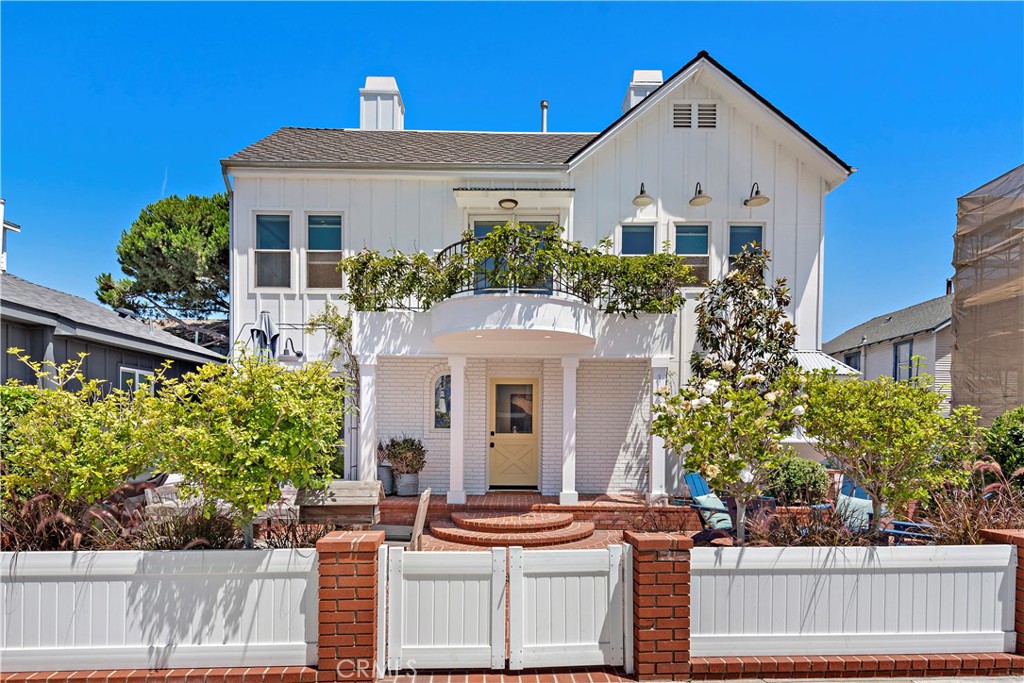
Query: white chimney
{"x": 643, "y": 84}
{"x": 380, "y": 104}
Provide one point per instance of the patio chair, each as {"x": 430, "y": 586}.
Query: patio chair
{"x": 713, "y": 512}
{"x": 853, "y": 504}
{"x": 409, "y": 537}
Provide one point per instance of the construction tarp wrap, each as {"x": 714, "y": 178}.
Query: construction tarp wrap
{"x": 988, "y": 300}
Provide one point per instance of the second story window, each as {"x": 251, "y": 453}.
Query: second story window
{"x": 692, "y": 242}
{"x": 273, "y": 251}
{"x": 323, "y": 251}
{"x": 637, "y": 240}
{"x": 853, "y": 360}
{"x": 903, "y": 360}
{"x": 743, "y": 235}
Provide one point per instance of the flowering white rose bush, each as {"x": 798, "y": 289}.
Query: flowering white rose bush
{"x": 731, "y": 431}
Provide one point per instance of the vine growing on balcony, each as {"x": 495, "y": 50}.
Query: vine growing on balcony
{"x": 518, "y": 257}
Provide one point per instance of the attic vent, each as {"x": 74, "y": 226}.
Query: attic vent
{"x": 700, "y": 115}
{"x": 682, "y": 115}
{"x": 707, "y": 115}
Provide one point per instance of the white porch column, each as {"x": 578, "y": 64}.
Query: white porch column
{"x": 569, "y": 496}
{"x": 656, "y": 473}
{"x": 368, "y": 418}
{"x": 457, "y": 431}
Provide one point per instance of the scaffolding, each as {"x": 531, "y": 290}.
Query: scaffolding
{"x": 988, "y": 299}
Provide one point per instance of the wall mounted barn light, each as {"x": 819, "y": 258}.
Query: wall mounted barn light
{"x": 756, "y": 198}
{"x": 699, "y": 198}
{"x": 288, "y": 355}
{"x": 508, "y": 203}
{"x": 643, "y": 199}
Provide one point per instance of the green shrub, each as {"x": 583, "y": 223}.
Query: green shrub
{"x": 406, "y": 454}
{"x": 1004, "y": 441}
{"x": 798, "y": 481}
{"x": 15, "y": 401}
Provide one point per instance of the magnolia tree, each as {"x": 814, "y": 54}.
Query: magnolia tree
{"x": 890, "y": 437}
{"x": 731, "y": 431}
{"x": 742, "y": 323}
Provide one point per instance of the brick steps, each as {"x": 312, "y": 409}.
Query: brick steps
{"x": 573, "y": 531}
{"x": 494, "y": 522}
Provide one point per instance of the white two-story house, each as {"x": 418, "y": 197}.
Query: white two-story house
{"x": 537, "y": 391}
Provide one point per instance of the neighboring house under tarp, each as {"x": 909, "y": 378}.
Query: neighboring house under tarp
{"x": 988, "y": 307}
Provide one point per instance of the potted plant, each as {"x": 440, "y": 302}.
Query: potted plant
{"x": 407, "y": 456}
{"x": 384, "y": 473}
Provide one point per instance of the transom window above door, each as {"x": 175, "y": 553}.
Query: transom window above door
{"x": 637, "y": 240}
{"x": 323, "y": 252}
{"x": 273, "y": 251}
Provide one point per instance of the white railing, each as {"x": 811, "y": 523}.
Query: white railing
{"x": 907, "y": 600}
{"x": 445, "y": 609}
{"x": 566, "y": 607}
{"x": 154, "y": 610}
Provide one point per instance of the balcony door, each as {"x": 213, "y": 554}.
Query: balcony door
{"x": 513, "y": 446}
{"x": 483, "y": 226}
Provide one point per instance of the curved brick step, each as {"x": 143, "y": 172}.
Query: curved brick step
{"x": 446, "y": 530}
{"x": 512, "y": 522}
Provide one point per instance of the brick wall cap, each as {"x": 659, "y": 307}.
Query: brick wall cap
{"x": 350, "y": 541}
{"x": 657, "y": 540}
{"x": 1009, "y": 536}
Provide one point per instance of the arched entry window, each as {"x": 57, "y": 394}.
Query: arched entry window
{"x": 443, "y": 402}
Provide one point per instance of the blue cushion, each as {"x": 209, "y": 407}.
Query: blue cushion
{"x": 855, "y": 512}
{"x": 714, "y": 520}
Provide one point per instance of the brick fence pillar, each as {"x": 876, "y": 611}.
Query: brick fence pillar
{"x": 661, "y": 605}
{"x": 347, "y": 644}
{"x": 1013, "y": 537}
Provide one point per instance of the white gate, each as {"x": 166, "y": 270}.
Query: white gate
{"x": 446, "y": 609}
{"x": 449, "y": 609}
{"x": 566, "y": 607}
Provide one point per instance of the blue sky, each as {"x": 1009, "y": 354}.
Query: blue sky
{"x": 107, "y": 107}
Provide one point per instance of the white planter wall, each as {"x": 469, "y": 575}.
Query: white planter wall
{"x": 800, "y": 601}
{"x": 143, "y": 610}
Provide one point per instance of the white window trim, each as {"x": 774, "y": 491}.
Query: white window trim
{"x": 693, "y": 114}
{"x": 139, "y": 372}
{"x": 711, "y": 262}
{"x": 292, "y": 251}
{"x": 304, "y": 249}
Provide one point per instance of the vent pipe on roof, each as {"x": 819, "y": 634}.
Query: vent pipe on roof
{"x": 645, "y": 81}
{"x": 380, "y": 104}
{"x": 543, "y": 116}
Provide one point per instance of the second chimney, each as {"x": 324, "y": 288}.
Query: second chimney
{"x": 643, "y": 84}
{"x": 380, "y": 104}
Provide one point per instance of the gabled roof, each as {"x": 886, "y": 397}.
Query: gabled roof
{"x": 670, "y": 82}
{"x": 329, "y": 147}
{"x": 812, "y": 361}
{"x": 75, "y": 316}
{"x": 927, "y": 316}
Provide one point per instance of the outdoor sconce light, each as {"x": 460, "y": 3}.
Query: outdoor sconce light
{"x": 756, "y": 198}
{"x": 699, "y": 198}
{"x": 508, "y": 203}
{"x": 288, "y": 355}
{"x": 643, "y": 199}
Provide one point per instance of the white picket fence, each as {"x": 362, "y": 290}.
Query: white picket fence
{"x": 142, "y": 610}
{"x": 449, "y": 609}
{"x": 797, "y": 601}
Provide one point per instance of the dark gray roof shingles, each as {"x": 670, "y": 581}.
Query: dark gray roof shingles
{"x": 325, "y": 146}
{"x": 922, "y": 317}
{"x": 19, "y": 292}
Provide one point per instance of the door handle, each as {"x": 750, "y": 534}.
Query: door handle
{"x": 492, "y": 444}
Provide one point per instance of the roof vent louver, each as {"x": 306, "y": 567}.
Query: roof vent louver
{"x": 707, "y": 115}
{"x": 682, "y": 115}
{"x": 695, "y": 115}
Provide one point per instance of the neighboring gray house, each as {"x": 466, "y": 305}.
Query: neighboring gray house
{"x": 54, "y": 325}
{"x": 885, "y": 344}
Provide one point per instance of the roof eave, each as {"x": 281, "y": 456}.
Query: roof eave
{"x": 228, "y": 164}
